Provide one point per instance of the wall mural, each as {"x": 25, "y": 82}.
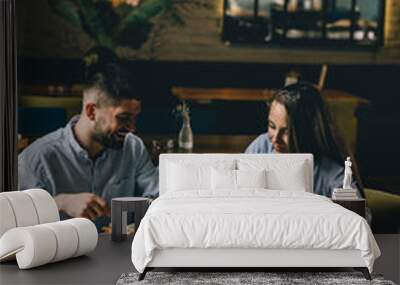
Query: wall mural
{"x": 115, "y": 23}
{"x": 134, "y": 28}
{"x": 169, "y": 30}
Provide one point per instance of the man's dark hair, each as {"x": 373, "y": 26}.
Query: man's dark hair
{"x": 114, "y": 82}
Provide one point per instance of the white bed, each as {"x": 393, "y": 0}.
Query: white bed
{"x": 247, "y": 210}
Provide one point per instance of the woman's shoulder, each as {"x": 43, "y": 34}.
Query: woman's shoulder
{"x": 327, "y": 164}
{"x": 328, "y": 174}
{"x": 327, "y": 170}
{"x": 260, "y": 144}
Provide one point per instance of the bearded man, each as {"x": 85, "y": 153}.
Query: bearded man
{"x": 96, "y": 156}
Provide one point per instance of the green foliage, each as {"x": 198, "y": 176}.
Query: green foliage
{"x": 66, "y": 10}
{"x": 112, "y": 26}
{"x": 135, "y": 27}
{"x": 93, "y": 23}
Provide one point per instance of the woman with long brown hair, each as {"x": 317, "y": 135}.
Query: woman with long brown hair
{"x": 300, "y": 122}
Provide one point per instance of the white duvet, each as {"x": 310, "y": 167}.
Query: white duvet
{"x": 251, "y": 218}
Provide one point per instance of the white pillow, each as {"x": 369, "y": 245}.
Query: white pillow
{"x": 223, "y": 179}
{"x": 281, "y": 174}
{"x": 293, "y": 179}
{"x": 251, "y": 178}
{"x": 181, "y": 177}
{"x": 193, "y": 175}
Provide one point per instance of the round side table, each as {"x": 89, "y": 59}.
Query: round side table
{"x": 120, "y": 207}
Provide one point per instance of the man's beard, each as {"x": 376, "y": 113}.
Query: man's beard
{"x": 112, "y": 141}
{"x": 108, "y": 140}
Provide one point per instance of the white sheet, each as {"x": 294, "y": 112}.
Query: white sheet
{"x": 252, "y": 218}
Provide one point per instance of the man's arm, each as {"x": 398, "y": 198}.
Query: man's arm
{"x": 30, "y": 174}
{"x": 87, "y": 205}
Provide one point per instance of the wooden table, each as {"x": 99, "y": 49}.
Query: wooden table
{"x": 342, "y": 104}
{"x": 242, "y": 94}
{"x": 202, "y": 144}
{"x": 205, "y": 143}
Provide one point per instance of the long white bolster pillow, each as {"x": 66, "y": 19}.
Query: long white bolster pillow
{"x": 52, "y": 242}
{"x": 26, "y": 208}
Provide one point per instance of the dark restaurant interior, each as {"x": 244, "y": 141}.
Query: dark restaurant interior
{"x": 94, "y": 92}
{"x": 224, "y": 59}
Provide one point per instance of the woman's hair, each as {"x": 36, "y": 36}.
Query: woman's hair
{"x": 310, "y": 124}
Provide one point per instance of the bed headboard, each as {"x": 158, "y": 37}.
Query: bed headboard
{"x": 281, "y": 163}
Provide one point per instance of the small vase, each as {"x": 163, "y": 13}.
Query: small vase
{"x": 185, "y": 139}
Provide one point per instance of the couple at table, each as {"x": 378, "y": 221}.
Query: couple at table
{"x": 96, "y": 156}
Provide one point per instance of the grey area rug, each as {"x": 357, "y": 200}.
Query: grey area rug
{"x": 229, "y": 278}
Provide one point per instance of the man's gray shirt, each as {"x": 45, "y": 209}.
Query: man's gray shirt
{"x": 57, "y": 163}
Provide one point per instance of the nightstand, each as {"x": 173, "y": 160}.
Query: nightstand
{"x": 356, "y": 205}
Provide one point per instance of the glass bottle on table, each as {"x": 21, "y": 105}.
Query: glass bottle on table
{"x": 185, "y": 138}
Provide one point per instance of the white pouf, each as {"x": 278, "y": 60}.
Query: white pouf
{"x": 7, "y": 218}
{"x": 41, "y": 244}
{"x": 31, "y": 231}
{"x": 26, "y": 208}
{"x": 45, "y": 205}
